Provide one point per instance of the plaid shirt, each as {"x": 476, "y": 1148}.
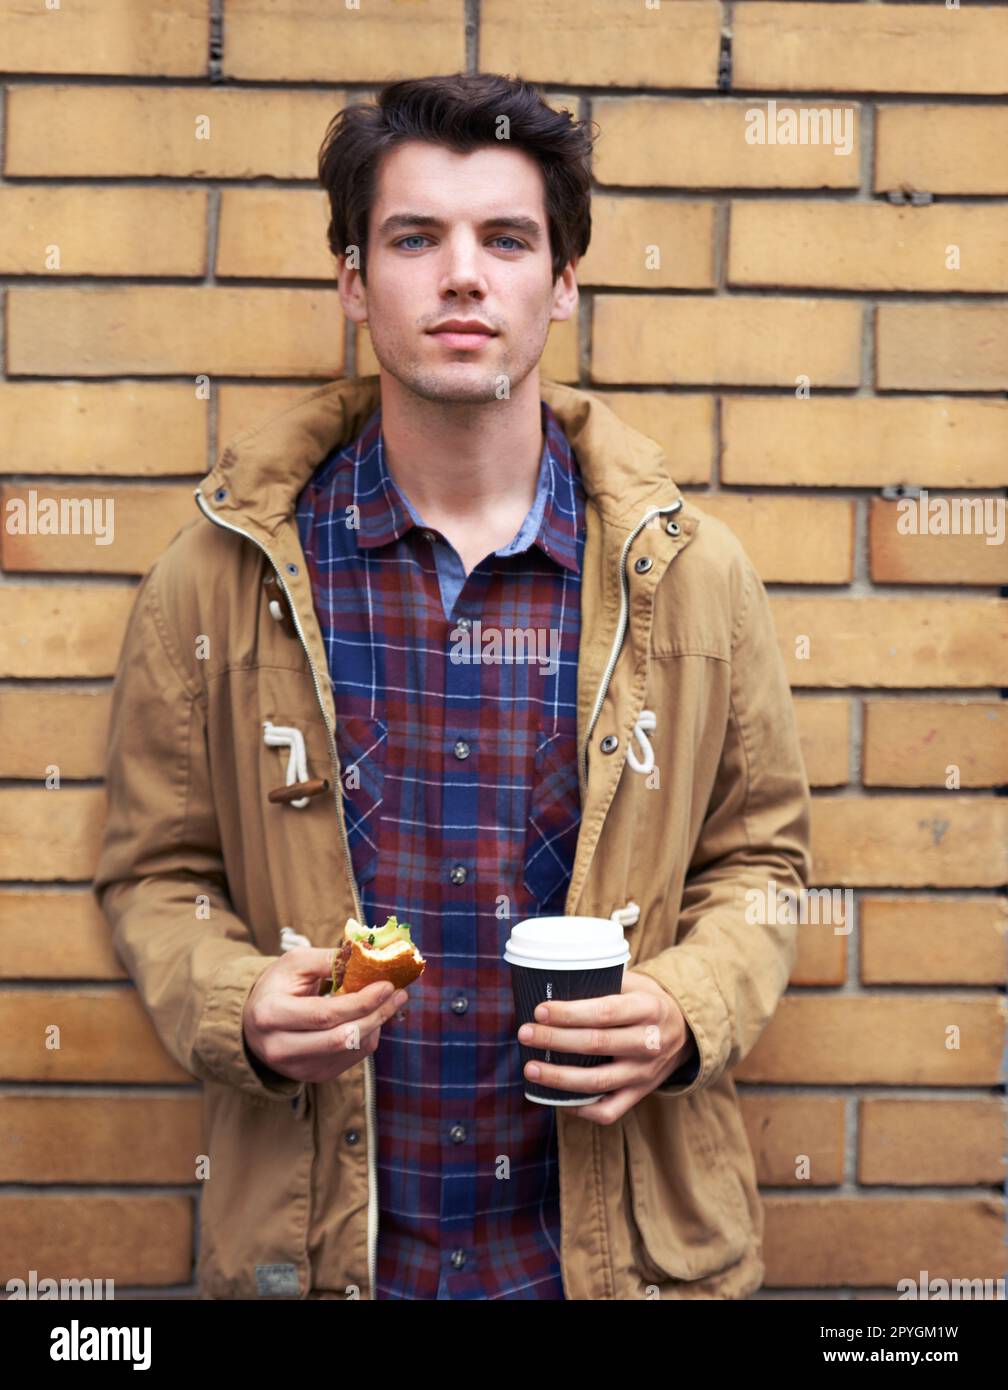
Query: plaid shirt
{"x": 461, "y": 795}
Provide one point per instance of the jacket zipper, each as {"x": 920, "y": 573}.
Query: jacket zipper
{"x": 369, "y": 1086}
{"x": 621, "y": 626}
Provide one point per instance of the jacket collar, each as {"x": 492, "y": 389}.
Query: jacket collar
{"x": 259, "y": 475}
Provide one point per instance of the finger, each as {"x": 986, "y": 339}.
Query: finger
{"x": 307, "y": 965}
{"x": 607, "y": 1011}
{"x": 609, "y": 1077}
{"x": 317, "y": 1013}
{"x": 302, "y": 1048}
{"x": 611, "y": 1107}
{"x": 639, "y": 1041}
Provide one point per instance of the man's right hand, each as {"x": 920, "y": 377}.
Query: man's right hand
{"x": 301, "y": 1034}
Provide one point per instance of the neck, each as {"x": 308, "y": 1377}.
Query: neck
{"x": 464, "y": 464}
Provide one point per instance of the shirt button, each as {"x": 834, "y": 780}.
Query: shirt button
{"x": 351, "y": 1136}
{"x": 458, "y": 1133}
{"x": 458, "y": 1258}
{"x": 458, "y": 874}
{"x": 464, "y": 623}
{"x": 461, "y": 749}
{"x": 430, "y": 536}
{"x": 460, "y": 1005}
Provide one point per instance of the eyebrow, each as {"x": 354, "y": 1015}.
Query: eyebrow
{"x": 400, "y": 220}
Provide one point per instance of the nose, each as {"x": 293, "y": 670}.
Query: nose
{"x": 462, "y": 272}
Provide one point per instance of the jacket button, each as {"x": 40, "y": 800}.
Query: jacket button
{"x": 458, "y": 1258}
{"x": 609, "y": 744}
{"x": 672, "y": 527}
{"x": 351, "y": 1136}
{"x": 643, "y": 564}
{"x": 220, "y": 494}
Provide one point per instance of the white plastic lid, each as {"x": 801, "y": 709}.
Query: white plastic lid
{"x": 567, "y": 943}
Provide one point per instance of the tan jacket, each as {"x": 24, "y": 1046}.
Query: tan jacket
{"x": 199, "y": 873}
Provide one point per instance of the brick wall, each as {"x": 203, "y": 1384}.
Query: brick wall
{"x": 163, "y": 290}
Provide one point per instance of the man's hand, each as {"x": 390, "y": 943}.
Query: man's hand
{"x": 307, "y": 1036}
{"x": 642, "y": 1029}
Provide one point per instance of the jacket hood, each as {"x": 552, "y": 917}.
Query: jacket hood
{"x": 260, "y": 473}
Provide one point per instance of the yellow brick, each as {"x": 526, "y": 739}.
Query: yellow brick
{"x": 824, "y": 731}
{"x": 101, "y": 1139}
{"x": 277, "y": 234}
{"x": 917, "y": 1142}
{"x": 941, "y": 148}
{"x": 864, "y": 442}
{"x": 111, "y": 131}
{"x": 910, "y": 841}
{"x": 130, "y": 1240}
{"x": 911, "y": 743}
{"x": 650, "y": 243}
{"x": 826, "y": 245}
{"x": 590, "y": 42}
{"x": 243, "y": 408}
{"x": 973, "y": 557}
{"x": 374, "y": 42}
{"x": 159, "y": 38}
{"x": 104, "y": 427}
{"x": 102, "y": 231}
{"x": 122, "y": 530}
{"x": 780, "y": 1128}
{"x": 822, "y": 955}
{"x": 879, "y": 1040}
{"x": 936, "y": 941}
{"x": 790, "y": 540}
{"x": 50, "y": 833}
{"x": 823, "y": 1241}
{"x": 893, "y": 641}
{"x": 681, "y": 422}
{"x": 65, "y": 727}
{"x": 63, "y": 630}
{"x": 941, "y": 347}
{"x": 870, "y": 48}
{"x": 105, "y": 1035}
{"x": 700, "y": 340}
{"x": 234, "y": 332}
{"x": 55, "y": 935}
{"x": 699, "y": 142}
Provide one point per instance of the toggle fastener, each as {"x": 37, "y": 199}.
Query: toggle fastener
{"x": 278, "y": 605}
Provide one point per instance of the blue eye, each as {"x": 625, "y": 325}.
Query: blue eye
{"x": 504, "y": 237}
{"x": 413, "y": 236}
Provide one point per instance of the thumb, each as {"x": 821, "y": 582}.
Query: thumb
{"x": 306, "y": 965}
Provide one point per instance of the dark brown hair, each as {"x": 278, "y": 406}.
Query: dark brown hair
{"x": 462, "y": 111}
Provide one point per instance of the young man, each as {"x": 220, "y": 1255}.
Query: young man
{"x": 345, "y": 608}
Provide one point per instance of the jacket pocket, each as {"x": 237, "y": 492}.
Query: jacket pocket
{"x": 553, "y": 820}
{"x": 362, "y": 745}
{"x": 685, "y": 1189}
{"x": 254, "y": 1232}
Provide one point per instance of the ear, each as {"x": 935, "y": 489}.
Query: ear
{"x": 352, "y": 291}
{"x": 565, "y": 293}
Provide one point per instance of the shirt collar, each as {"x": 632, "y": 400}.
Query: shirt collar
{"x": 385, "y": 513}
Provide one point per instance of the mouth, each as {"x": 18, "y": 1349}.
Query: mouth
{"x": 460, "y": 334}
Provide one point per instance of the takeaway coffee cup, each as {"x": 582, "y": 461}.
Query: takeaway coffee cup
{"x": 562, "y": 958}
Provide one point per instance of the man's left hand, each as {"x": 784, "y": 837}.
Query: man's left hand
{"x": 642, "y": 1030}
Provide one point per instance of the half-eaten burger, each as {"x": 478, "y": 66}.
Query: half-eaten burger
{"x": 368, "y": 956}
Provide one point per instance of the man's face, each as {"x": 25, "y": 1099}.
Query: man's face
{"x": 459, "y": 237}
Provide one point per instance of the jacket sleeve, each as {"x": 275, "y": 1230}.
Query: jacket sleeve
{"x": 160, "y": 877}
{"x": 733, "y": 958}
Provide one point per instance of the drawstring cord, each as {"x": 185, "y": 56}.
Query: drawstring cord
{"x": 647, "y": 721}
{"x": 279, "y": 736}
